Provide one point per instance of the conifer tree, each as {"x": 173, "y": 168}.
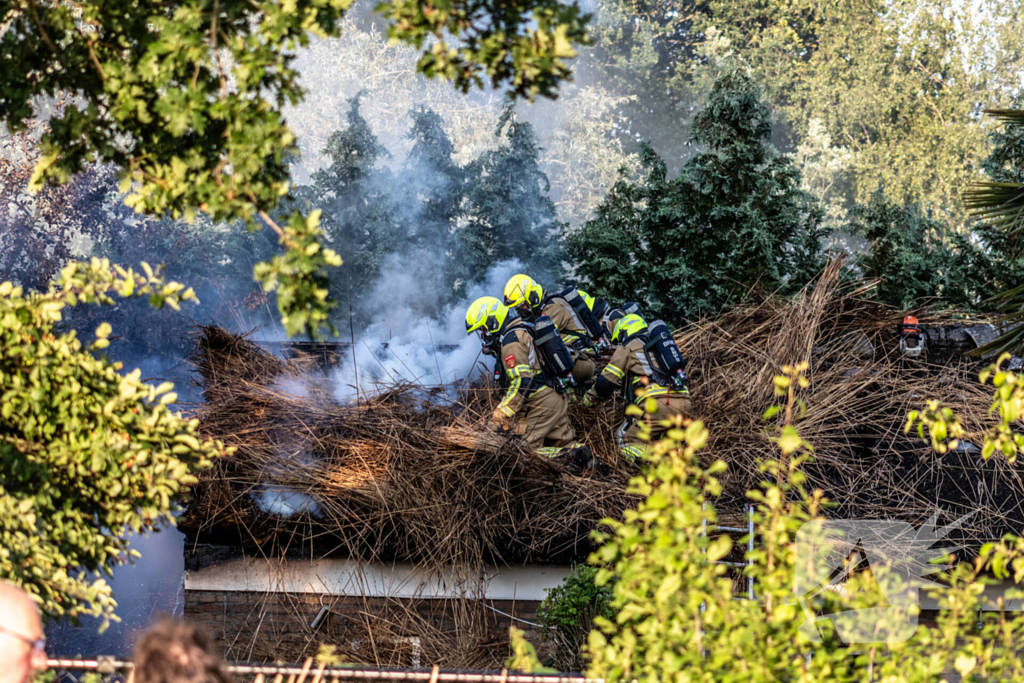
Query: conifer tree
{"x": 734, "y": 219}
{"x": 360, "y": 220}
{"x": 920, "y": 261}
{"x": 508, "y": 213}
{"x": 437, "y": 185}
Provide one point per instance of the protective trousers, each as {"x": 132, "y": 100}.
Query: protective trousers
{"x": 544, "y": 420}
{"x": 628, "y": 436}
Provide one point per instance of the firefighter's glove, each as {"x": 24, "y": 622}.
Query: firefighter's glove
{"x": 588, "y": 400}
{"x": 500, "y": 422}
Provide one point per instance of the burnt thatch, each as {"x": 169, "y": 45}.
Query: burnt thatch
{"x": 411, "y": 475}
{"x": 406, "y": 475}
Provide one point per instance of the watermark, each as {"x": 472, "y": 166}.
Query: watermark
{"x": 891, "y": 560}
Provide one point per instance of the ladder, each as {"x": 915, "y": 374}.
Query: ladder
{"x": 749, "y": 509}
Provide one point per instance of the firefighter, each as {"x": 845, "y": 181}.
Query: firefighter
{"x": 611, "y": 314}
{"x": 527, "y": 297}
{"x": 911, "y": 338}
{"x": 646, "y": 364}
{"x": 531, "y": 406}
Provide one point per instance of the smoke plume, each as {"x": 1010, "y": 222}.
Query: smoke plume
{"x": 403, "y": 344}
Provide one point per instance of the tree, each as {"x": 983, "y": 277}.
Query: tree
{"x": 732, "y": 220}
{"x": 999, "y": 204}
{"x": 438, "y": 186}
{"x": 186, "y": 99}
{"x": 898, "y": 84}
{"x": 86, "y": 454}
{"x": 577, "y": 132}
{"x": 361, "y": 218}
{"x": 651, "y": 50}
{"x": 921, "y": 262}
{"x": 508, "y": 213}
{"x": 37, "y": 231}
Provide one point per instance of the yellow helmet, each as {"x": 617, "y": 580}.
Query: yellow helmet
{"x": 587, "y": 298}
{"x": 486, "y": 314}
{"x": 522, "y": 290}
{"x": 627, "y": 327}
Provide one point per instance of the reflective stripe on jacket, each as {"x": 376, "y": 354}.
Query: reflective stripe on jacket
{"x": 569, "y": 325}
{"x": 522, "y": 367}
{"x": 629, "y": 362}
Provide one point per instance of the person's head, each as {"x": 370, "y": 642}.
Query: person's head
{"x": 523, "y": 294}
{"x": 22, "y": 643}
{"x": 628, "y": 327}
{"x": 487, "y": 316}
{"x": 175, "y": 652}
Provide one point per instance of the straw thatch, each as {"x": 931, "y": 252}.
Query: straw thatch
{"x": 860, "y": 393}
{"x": 410, "y": 474}
{"x": 406, "y": 475}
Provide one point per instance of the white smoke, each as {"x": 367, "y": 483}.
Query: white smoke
{"x": 296, "y": 387}
{"x": 404, "y": 344}
{"x": 283, "y": 502}
{"x": 293, "y": 451}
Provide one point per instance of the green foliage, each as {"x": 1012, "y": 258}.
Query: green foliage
{"x": 360, "y": 210}
{"x": 732, "y": 220}
{"x": 522, "y": 45}
{"x": 567, "y": 615}
{"x": 524, "y": 656}
{"x": 1000, "y": 204}
{"x": 945, "y": 430}
{"x": 508, "y": 213}
{"x": 1008, "y": 404}
{"x": 677, "y": 618}
{"x": 896, "y": 85}
{"x": 300, "y": 276}
{"x": 574, "y": 600}
{"x": 86, "y": 455}
{"x": 650, "y": 50}
{"x": 899, "y": 84}
{"x": 186, "y": 98}
{"x": 921, "y": 262}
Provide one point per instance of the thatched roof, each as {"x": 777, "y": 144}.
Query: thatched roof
{"x": 861, "y": 391}
{"x": 407, "y": 475}
{"x": 410, "y": 474}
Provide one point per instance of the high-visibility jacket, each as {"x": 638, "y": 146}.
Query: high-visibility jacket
{"x": 521, "y": 362}
{"x": 630, "y": 372}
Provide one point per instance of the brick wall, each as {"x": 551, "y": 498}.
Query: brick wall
{"x": 266, "y": 627}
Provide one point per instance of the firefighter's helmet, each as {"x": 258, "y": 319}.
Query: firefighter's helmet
{"x": 627, "y": 327}
{"x": 487, "y": 315}
{"x": 521, "y": 290}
